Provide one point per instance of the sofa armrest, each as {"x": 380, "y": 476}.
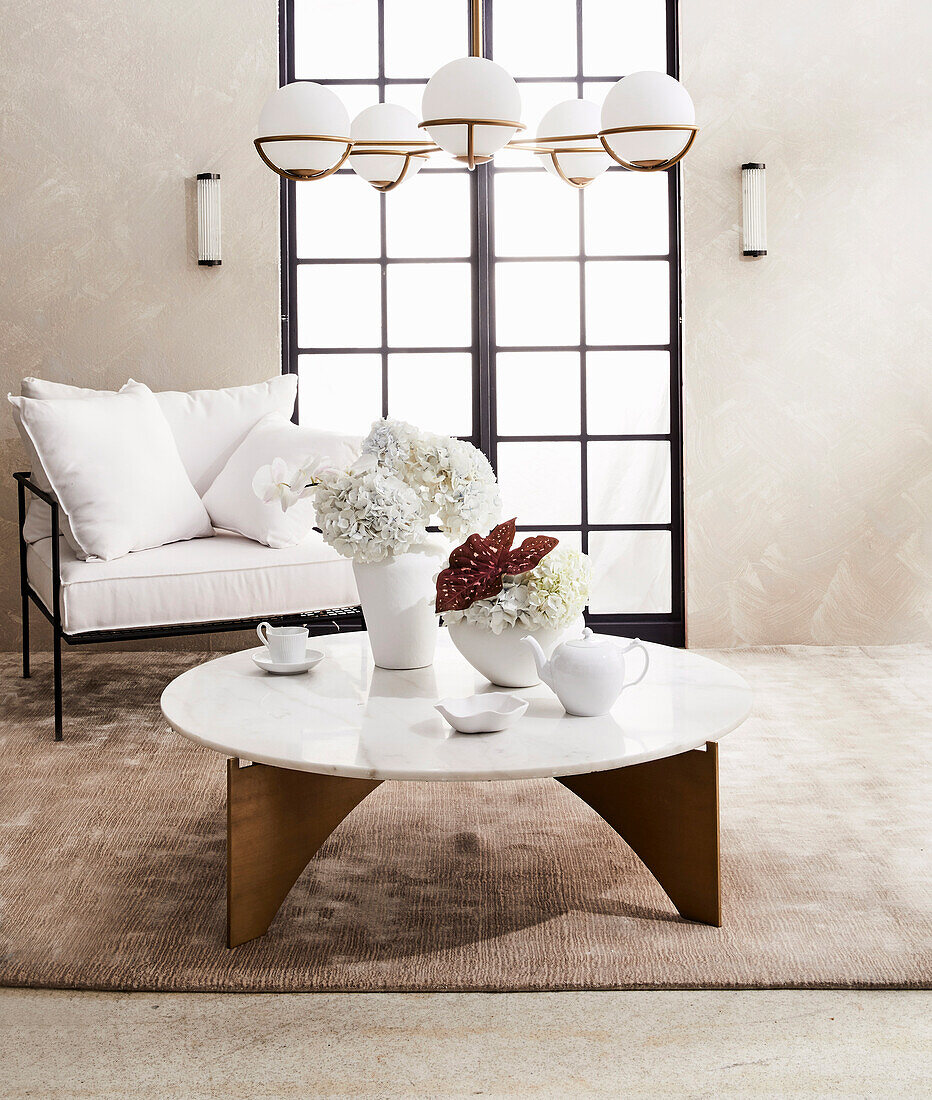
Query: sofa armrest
{"x": 23, "y": 482}
{"x": 24, "y": 477}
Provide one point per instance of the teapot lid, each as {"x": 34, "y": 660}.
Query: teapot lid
{"x": 588, "y": 640}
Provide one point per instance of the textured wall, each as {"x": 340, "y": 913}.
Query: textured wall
{"x": 109, "y": 111}
{"x": 809, "y": 465}
{"x": 807, "y": 380}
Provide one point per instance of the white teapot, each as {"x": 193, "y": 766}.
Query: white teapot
{"x": 587, "y": 673}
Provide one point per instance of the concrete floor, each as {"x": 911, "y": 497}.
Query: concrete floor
{"x": 57, "y": 1045}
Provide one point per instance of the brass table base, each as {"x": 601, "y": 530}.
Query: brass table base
{"x": 277, "y": 818}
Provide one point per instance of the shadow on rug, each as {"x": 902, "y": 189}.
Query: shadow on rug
{"x": 112, "y": 855}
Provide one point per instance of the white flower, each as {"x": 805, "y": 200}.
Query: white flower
{"x": 453, "y": 479}
{"x": 368, "y": 514}
{"x": 390, "y": 441}
{"x": 552, "y": 594}
{"x": 277, "y": 482}
{"x": 273, "y": 483}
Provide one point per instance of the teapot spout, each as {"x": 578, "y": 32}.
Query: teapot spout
{"x": 540, "y": 660}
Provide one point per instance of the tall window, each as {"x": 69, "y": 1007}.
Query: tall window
{"x": 500, "y": 305}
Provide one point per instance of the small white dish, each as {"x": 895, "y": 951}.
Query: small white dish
{"x": 311, "y": 658}
{"x": 488, "y": 713}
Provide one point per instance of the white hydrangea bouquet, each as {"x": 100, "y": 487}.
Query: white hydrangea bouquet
{"x": 378, "y": 513}
{"x": 404, "y": 481}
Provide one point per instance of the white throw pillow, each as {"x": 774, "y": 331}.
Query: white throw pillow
{"x": 113, "y": 465}
{"x": 208, "y": 426}
{"x": 234, "y": 506}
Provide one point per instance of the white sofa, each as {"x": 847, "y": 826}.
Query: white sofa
{"x": 188, "y": 583}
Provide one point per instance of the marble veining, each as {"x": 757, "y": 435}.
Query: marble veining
{"x": 349, "y": 718}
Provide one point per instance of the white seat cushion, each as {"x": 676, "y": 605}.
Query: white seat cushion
{"x": 202, "y": 581}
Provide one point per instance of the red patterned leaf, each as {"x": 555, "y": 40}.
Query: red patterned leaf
{"x": 531, "y": 552}
{"x": 477, "y": 567}
{"x": 501, "y": 537}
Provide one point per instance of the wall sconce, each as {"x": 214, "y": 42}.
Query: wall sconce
{"x": 754, "y": 208}
{"x": 208, "y": 219}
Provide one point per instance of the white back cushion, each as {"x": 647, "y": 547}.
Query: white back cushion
{"x": 208, "y": 425}
{"x": 234, "y": 506}
{"x": 113, "y": 465}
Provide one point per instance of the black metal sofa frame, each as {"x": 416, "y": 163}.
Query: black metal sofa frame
{"x": 317, "y": 622}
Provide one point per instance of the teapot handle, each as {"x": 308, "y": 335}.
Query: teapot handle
{"x": 638, "y": 644}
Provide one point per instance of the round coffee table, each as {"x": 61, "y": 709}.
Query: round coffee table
{"x": 305, "y": 750}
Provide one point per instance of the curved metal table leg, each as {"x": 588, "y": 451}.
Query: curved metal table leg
{"x": 276, "y": 820}
{"x": 667, "y": 810}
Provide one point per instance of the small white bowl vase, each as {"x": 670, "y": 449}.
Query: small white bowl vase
{"x": 501, "y": 658}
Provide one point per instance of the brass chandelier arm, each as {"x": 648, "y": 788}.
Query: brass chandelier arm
{"x": 518, "y": 143}
{"x": 660, "y": 165}
{"x": 303, "y": 176}
{"x": 392, "y": 146}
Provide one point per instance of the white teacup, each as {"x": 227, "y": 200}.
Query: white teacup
{"x": 287, "y": 645}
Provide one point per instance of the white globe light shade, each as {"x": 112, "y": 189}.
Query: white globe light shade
{"x": 472, "y": 88}
{"x": 645, "y": 99}
{"x": 304, "y": 108}
{"x": 573, "y": 117}
{"x": 385, "y": 122}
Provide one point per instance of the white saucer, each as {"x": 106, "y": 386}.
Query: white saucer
{"x": 264, "y": 661}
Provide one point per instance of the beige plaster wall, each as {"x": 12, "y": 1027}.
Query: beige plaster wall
{"x": 807, "y": 375}
{"x": 808, "y": 411}
{"x": 109, "y": 112}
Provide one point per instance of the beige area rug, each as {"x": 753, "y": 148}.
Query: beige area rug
{"x": 112, "y": 854}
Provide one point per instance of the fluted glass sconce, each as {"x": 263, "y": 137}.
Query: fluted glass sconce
{"x": 208, "y": 219}
{"x": 754, "y": 208}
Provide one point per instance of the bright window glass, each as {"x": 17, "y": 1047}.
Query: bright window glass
{"x": 433, "y": 390}
{"x": 342, "y": 393}
{"x": 540, "y": 482}
{"x": 538, "y": 393}
{"x": 339, "y": 306}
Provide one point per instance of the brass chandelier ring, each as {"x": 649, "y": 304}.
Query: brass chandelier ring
{"x": 657, "y": 166}
{"x": 300, "y": 177}
{"x": 424, "y": 149}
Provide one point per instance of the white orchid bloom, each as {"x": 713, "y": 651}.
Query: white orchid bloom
{"x": 273, "y": 483}
{"x": 309, "y": 475}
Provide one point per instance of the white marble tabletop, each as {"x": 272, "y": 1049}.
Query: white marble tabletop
{"x": 348, "y": 718}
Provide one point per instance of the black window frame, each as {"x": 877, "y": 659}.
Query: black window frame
{"x": 670, "y": 627}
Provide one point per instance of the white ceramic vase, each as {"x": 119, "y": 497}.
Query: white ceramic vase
{"x": 397, "y": 597}
{"x": 502, "y": 658}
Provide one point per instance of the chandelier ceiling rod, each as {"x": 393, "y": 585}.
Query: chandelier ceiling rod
{"x": 475, "y": 41}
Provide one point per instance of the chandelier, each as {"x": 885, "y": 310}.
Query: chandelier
{"x": 471, "y": 109}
